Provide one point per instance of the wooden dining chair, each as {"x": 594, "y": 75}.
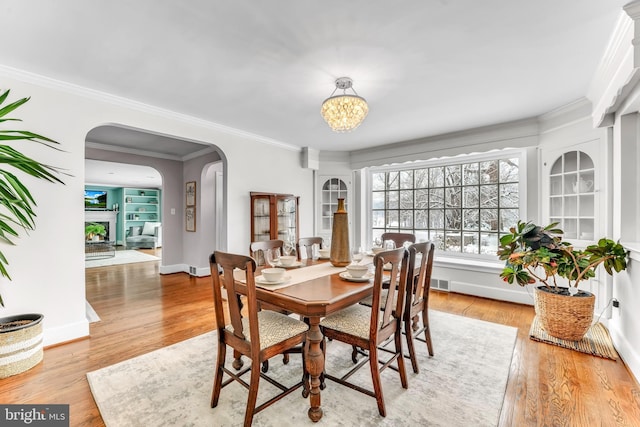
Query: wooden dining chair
{"x": 260, "y": 335}
{"x": 257, "y": 249}
{"x": 307, "y": 243}
{"x": 399, "y": 238}
{"x": 417, "y": 299}
{"x": 371, "y": 327}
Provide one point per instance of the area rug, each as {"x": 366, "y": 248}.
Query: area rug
{"x": 463, "y": 384}
{"x": 121, "y": 257}
{"x": 596, "y": 342}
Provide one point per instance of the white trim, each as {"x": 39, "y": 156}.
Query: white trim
{"x": 478, "y": 265}
{"x": 184, "y": 268}
{"x": 617, "y": 72}
{"x": 629, "y": 355}
{"x": 40, "y": 80}
{"x": 67, "y": 332}
{"x": 633, "y": 248}
{"x": 517, "y": 295}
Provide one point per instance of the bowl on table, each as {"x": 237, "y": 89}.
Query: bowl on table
{"x": 288, "y": 260}
{"x": 273, "y": 274}
{"x": 324, "y": 253}
{"x": 357, "y": 270}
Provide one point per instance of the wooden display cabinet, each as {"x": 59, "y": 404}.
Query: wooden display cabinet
{"x": 274, "y": 216}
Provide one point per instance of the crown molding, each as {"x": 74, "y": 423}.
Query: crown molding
{"x": 565, "y": 116}
{"x": 618, "y": 71}
{"x": 514, "y": 134}
{"x": 85, "y": 92}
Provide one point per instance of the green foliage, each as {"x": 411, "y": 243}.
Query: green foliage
{"x": 16, "y": 203}
{"x": 532, "y": 252}
{"x": 94, "y": 229}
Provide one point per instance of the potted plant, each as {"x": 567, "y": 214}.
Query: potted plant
{"x": 538, "y": 254}
{"x": 20, "y": 336}
{"x": 94, "y": 231}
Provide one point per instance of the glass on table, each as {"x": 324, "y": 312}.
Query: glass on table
{"x": 272, "y": 256}
{"x": 357, "y": 254}
{"x": 287, "y": 247}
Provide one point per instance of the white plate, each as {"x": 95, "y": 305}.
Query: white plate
{"x": 262, "y": 281}
{"x": 294, "y": 265}
{"x": 346, "y": 276}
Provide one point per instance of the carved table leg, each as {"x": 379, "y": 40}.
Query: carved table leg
{"x": 315, "y": 366}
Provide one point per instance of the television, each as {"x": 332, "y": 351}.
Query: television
{"x": 95, "y": 199}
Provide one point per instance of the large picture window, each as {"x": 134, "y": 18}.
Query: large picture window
{"x": 462, "y": 207}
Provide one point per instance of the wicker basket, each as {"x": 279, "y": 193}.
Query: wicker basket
{"x": 564, "y": 316}
{"x": 20, "y": 346}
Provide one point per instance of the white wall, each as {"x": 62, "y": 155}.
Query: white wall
{"x": 48, "y": 265}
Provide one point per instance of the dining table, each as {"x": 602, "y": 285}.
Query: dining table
{"x": 313, "y": 289}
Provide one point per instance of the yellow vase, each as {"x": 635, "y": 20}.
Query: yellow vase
{"x": 340, "y": 254}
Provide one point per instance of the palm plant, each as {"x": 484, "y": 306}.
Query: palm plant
{"x": 16, "y": 203}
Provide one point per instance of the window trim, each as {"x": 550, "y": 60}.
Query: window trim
{"x": 521, "y": 154}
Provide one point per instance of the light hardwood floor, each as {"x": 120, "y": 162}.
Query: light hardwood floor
{"x": 142, "y": 311}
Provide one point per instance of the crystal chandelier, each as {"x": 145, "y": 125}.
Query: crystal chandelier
{"x": 344, "y": 112}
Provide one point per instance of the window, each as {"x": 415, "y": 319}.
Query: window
{"x": 463, "y": 207}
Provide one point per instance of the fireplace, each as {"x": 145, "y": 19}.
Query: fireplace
{"x": 106, "y": 218}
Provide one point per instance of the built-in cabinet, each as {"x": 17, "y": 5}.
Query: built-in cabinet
{"x": 330, "y": 189}
{"x": 572, "y": 194}
{"x": 274, "y": 216}
{"x": 571, "y": 197}
{"x": 139, "y": 205}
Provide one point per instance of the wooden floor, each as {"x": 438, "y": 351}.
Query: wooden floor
{"x": 142, "y": 311}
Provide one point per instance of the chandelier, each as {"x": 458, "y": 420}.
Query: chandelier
{"x": 344, "y": 112}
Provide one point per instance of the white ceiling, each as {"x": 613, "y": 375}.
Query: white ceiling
{"x": 426, "y": 67}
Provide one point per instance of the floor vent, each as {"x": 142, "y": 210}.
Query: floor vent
{"x": 192, "y": 270}
{"x": 440, "y": 284}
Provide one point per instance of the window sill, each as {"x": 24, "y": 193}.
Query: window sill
{"x": 485, "y": 266}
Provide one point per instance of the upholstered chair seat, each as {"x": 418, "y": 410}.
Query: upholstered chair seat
{"x": 273, "y": 328}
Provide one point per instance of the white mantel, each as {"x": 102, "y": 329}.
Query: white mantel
{"x": 103, "y": 216}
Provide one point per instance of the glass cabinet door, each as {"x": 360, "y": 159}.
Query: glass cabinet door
{"x": 287, "y": 209}
{"x": 261, "y": 221}
{"x": 274, "y": 216}
{"x": 332, "y": 190}
{"x": 572, "y": 195}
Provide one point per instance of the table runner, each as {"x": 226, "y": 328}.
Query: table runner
{"x": 298, "y": 275}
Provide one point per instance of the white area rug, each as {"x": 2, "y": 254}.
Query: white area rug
{"x": 121, "y": 257}
{"x": 462, "y": 385}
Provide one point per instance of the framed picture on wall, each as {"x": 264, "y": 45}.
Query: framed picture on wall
{"x": 190, "y": 215}
{"x": 191, "y": 193}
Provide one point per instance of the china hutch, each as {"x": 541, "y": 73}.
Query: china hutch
{"x": 274, "y": 216}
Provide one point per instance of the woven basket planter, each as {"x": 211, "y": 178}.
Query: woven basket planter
{"x": 20, "y": 343}
{"x": 562, "y": 315}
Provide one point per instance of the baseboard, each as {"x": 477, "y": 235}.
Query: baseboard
{"x": 65, "y": 333}
{"x": 626, "y": 351}
{"x": 184, "y": 268}
{"x": 518, "y": 295}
